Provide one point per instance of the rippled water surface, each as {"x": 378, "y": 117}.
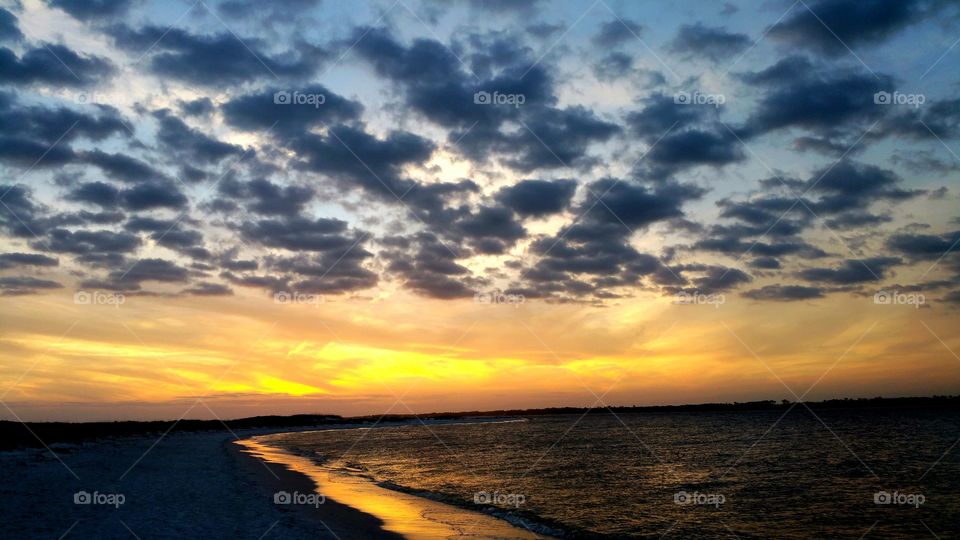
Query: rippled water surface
{"x": 753, "y": 475}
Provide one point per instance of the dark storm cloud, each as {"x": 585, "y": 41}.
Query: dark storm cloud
{"x": 9, "y": 27}
{"x": 147, "y": 196}
{"x": 681, "y": 136}
{"x": 765, "y": 263}
{"x": 537, "y": 198}
{"x": 99, "y": 193}
{"x": 208, "y": 289}
{"x": 840, "y": 194}
{"x": 180, "y": 139}
{"x": 197, "y": 107}
{"x": 695, "y": 147}
{"x": 214, "y": 59}
{"x": 923, "y": 246}
{"x": 335, "y": 271}
{"x": 850, "y": 185}
{"x": 491, "y": 230}
{"x": 556, "y": 138}
{"x": 36, "y": 132}
{"x": 924, "y": 161}
{"x": 274, "y": 108}
{"x": 715, "y": 44}
{"x": 13, "y": 260}
{"x": 713, "y": 278}
{"x": 587, "y": 259}
{"x": 593, "y": 255}
{"x": 723, "y": 240}
{"x": 616, "y": 32}
{"x": 661, "y": 113}
{"x": 27, "y": 153}
{"x": 354, "y": 158}
{"x": 299, "y": 233}
{"x": 91, "y": 242}
{"x": 93, "y": 10}
{"x": 52, "y": 64}
{"x": 264, "y": 197}
{"x": 121, "y": 166}
{"x": 20, "y": 215}
{"x": 172, "y": 235}
{"x": 271, "y": 283}
{"x": 22, "y": 285}
{"x": 435, "y": 84}
{"x": 853, "y": 220}
{"x": 85, "y": 217}
{"x": 852, "y": 271}
{"x": 148, "y": 224}
{"x": 159, "y": 270}
{"x": 831, "y": 26}
{"x": 428, "y": 267}
{"x": 784, "y": 293}
{"x": 614, "y": 201}
{"x": 936, "y": 119}
{"x": 797, "y": 93}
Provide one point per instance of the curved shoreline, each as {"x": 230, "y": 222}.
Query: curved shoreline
{"x": 394, "y": 513}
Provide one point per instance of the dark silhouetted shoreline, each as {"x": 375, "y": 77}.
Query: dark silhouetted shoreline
{"x": 38, "y": 434}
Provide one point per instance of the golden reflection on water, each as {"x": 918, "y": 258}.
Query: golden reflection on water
{"x": 410, "y": 516}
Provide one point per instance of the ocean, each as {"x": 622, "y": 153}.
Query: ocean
{"x": 830, "y": 474}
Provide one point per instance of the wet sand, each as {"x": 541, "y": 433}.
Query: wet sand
{"x": 362, "y": 509}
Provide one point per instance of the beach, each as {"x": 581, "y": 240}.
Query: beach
{"x": 396, "y": 514}
{"x": 209, "y": 485}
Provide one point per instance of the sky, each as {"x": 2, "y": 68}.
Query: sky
{"x": 216, "y": 209}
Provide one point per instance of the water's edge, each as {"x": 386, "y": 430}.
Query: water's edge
{"x": 433, "y": 510}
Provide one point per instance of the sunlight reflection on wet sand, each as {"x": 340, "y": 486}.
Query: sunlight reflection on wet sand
{"x": 408, "y": 515}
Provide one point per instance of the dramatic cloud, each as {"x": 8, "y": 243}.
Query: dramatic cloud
{"x": 616, "y": 32}
{"x": 715, "y": 44}
{"x": 784, "y": 293}
{"x": 16, "y": 286}
{"x": 213, "y": 59}
{"x": 9, "y": 28}
{"x": 568, "y": 166}
{"x": 54, "y": 65}
{"x": 852, "y": 271}
{"x": 13, "y": 260}
{"x": 89, "y": 10}
{"x": 832, "y": 26}
{"x": 537, "y": 198}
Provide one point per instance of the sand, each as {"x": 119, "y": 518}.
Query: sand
{"x": 203, "y": 485}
